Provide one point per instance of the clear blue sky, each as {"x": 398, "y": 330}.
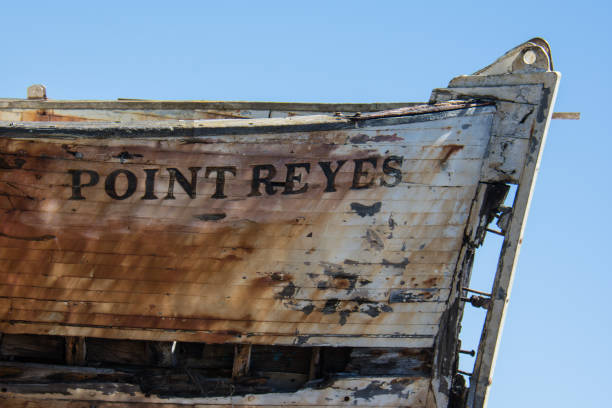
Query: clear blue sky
{"x": 556, "y": 348}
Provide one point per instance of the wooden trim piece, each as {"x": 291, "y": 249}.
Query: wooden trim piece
{"x": 218, "y": 127}
{"x": 75, "y": 350}
{"x": 242, "y": 360}
{"x": 337, "y": 391}
{"x": 408, "y": 340}
{"x": 315, "y": 360}
{"x": 135, "y": 104}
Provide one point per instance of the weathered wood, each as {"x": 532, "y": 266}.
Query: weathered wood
{"x": 139, "y": 105}
{"x": 271, "y": 225}
{"x": 157, "y": 384}
{"x": 400, "y": 362}
{"x": 365, "y": 391}
{"x": 76, "y": 351}
{"x": 15, "y": 372}
{"x": 123, "y": 352}
{"x": 24, "y": 347}
{"x": 242, "y": 360}
{"x": 566, "y": 115}
{"x": 315, "y": 361}
{"x": 280, "y": 359}
{"x": 522, "y": 93}
{"x": 530, "y": 82}
{"x": 163, "y": 353}
{"x": 502, "y": 286}
{"x": 410, "y": 339}
{"x": 312, "y": 266}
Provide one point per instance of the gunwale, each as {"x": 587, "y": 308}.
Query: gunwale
{"x": 218, "y": 127}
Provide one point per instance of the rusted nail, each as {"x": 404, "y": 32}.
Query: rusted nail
{"x": 469, "y": 352}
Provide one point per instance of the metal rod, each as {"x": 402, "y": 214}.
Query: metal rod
{"x": 464, "y": 373}
{"x": 477, "y": 292}
{"x": 469, "y": 352}
{"x": 495, "y": 232}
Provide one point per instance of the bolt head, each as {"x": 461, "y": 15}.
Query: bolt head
{"x": 37, "y": 91}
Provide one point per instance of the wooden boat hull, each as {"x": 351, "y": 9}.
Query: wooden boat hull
{"x": 344, "y": 237}
{"x": 349, "y": 236}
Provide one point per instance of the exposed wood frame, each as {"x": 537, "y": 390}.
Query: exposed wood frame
{"x": 75, "y": 350}
{"x": 242, "y": 360}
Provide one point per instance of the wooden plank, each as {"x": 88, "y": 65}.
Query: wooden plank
{"x": 242, "y": 360}
{"x": 371, "y": 313}
{"x": 187, "y": 243}
{"x": 224, "y": 326}
{"x": 76, "y": 351}
{"x": 315, "y": 361}
{"x": 315, "y": 268}
{"x": 348, "y": 275}
{"x": 364, "y": 391}
{"x": 153, "y": 105}
{"x": 14, "y": 402}
{"x": 235, "y": 127}
{"x": 361, "y": 311}
{"x": 523, "y": 93}
{"x": 27, "y": 347}
{"x": 409, "y": 340}
{"x": 16, "y": 372}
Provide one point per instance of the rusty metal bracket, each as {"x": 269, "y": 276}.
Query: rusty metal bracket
{"x": 478, "y": 301}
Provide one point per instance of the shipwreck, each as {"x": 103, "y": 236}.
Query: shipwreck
{"x": 171, "y": 254}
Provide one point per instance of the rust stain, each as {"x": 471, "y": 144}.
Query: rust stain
{"x": 448, "y": 151}
{"x": 48, "y": 115}
{"x": 135, "y": 261}
{"x": 276, "y": 277}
